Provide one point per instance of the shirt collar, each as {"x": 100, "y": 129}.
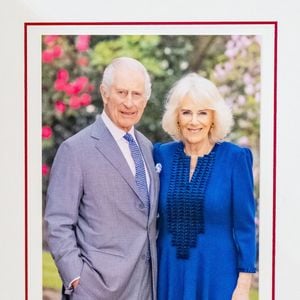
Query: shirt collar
{"x": 115, "y": 131}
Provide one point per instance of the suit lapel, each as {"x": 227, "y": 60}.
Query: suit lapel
{"x": 106, "y": 144}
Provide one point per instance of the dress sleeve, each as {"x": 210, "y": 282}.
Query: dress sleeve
{"x": 244, "y": 211}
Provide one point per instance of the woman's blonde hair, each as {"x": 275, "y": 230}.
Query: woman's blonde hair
{"x": 204, "y": 92}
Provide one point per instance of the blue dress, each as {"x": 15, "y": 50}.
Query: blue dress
{"x": 206, "y": 224}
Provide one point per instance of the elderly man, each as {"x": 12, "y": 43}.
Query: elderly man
{"x": 102, "y": 197}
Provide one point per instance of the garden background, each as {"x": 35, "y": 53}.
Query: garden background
{"x": 72, "y": 68}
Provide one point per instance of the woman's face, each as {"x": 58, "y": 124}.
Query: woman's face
{"x": 194, "y": 121}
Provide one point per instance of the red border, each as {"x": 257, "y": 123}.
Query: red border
{"x": 274, "y": 160}
{"x": 272, "y": 23}
{"x": 26, "y": 161}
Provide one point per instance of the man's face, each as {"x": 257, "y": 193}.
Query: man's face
{"x": 125, "y": 100}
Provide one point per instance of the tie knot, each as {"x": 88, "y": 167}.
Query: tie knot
{"x": 128, "y": 137}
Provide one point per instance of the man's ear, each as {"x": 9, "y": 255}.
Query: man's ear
{"x": 104, "y": 93}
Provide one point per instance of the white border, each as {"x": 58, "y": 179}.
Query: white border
{"x": 34, "y": 124}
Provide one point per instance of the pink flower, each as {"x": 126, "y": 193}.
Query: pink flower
{"x": 82, "y": 42}
{"x": 60, "y": 85}
{"x": 50, "y": 39}
{"x": 62, "y": 74}
{"x": 91, "y": 88}
{"x": 243, "y": 141}
{"x": 77, "y": 86}
{"x": 69, "y": 89}
{"x": 60, "y": 106}
{"x": 85, "y": 99}
{"x": 46, "y": 132}
{"x": 82, "y": 61}
{"x": 57, "y": 51}
{"x": 74, "y": 102}
{"x": 249, "y": 89}
{"x": 47, "y": 56}
{"x": 45, "y": 169}
{"x": 80, "y": 83}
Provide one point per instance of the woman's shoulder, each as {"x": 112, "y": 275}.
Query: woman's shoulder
{"x": 164, "y": 150}
{"x": 165, "y": 147}
{"x": 232, "y": 150}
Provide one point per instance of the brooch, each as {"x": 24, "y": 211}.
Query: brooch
{"x": 158, "y": 168}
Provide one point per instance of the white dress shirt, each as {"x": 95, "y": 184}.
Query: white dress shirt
{"x": 118, "y": 135}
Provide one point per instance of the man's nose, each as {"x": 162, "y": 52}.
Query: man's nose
{"x": 128, "y": 100}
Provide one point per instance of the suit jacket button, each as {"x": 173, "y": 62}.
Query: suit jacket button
{"x": 143, "y": 257}
{"x": 141, "y": 206}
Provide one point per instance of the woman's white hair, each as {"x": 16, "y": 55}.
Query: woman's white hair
{"x": 128, "y": 63}
{"x": 203, "y": 92}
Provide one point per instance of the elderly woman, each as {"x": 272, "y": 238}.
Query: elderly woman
{"x": 206, "y": 242}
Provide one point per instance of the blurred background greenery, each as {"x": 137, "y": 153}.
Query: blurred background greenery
{"x": 72, "y": 68}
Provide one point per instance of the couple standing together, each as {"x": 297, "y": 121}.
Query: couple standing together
{"x": 129, "y": 222}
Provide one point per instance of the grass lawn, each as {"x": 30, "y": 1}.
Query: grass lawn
{"x": 254, "y": 294}
{"x": 52, "y": 280}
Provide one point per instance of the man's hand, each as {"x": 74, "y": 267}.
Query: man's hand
{"x": 75, "y": 283}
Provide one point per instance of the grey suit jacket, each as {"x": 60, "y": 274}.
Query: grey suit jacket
{"x": 97, "y": 225}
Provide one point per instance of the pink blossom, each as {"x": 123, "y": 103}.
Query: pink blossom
{"x": 247, "y": 78}
{"x": 47, "y": 56}
{"x": 50, "y": 39}
{"x": 74, "y": 102}
{"x": 60, "y": 106}
{"x": 241, "y": 100}
{"x": 69, "y": 89}
{"x": 257, "y": 97}
{"x": 219, "y": 72}
{"x": 243, "y": 141}
{"x": 235, "y": 37}
{"x": 45, "y": 169}
{"x": 245, "y": 41}
{"x": 82, "y": 61}
{"x": 91, "y": 88}
{"x": 228, "y": 66}
{"x": 81, "y": 83}
{"x": 57, "y": 51}
{"x": 82, "y": 42}
{"x": 78, "y": 85}
{"x": 62, "y": 74}
{"x": 46, "y": 132}
{"x": 60, "y": 85}
{"x": 231, "y": 52}
{"x": 249, "y": 89}
{"x": 85, "y": 99}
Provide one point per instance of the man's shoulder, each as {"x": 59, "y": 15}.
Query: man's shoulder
{"x": 80, "y": 137}
{"x": 142, "y": 138}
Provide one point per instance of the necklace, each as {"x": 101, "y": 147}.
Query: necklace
{"x": 200, "y": 153}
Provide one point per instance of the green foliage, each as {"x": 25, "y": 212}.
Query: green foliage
{"x": 51, "y": 278}
{"x": 232, "y": 62}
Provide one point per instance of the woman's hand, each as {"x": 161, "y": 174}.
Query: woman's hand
{"x": 242, "y": 289}
{"x": 240, "y": 294}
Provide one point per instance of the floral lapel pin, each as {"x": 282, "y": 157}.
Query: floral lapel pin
{"x": 158, "y": 168}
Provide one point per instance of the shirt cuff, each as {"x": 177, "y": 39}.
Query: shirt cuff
{"x": 70, "y": 284}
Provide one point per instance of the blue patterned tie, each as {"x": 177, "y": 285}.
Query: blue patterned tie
{"x": 140, "y": 174}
